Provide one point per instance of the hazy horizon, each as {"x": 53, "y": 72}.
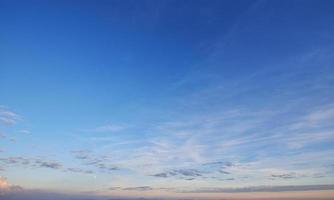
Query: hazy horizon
{"x": 166, "y": 99}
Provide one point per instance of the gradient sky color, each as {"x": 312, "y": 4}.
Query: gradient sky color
{"x": 167, "y": 98}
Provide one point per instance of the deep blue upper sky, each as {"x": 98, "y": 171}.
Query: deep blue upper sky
{"x": 163, "y": 87}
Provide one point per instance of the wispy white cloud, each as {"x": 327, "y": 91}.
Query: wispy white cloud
{"x": 107, "y": 128}
{"x": 8, "y": 117}
{"x": 24, "y": 131}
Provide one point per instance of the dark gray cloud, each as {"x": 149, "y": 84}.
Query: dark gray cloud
{"x": 114, "y": 188}
{"x": 186, "y": 174}
{"x": 100, "y": 162}
{"x": 106, "y": 168}
{"x": 12, "y": 140}
{"x": 31, "y": 162}
{"x": 49, "y": 164}
{"x": 39, "y": 163}
{"x": 82, "y": 157}
{"x": 220, "y": 174}
{"x": 221, "y": 164}
{"x": 319, "y": 175}
{"x": 81, "y": 154}
{"x": 291, "y": 175}
{"x": 225, "y": 179}
{"x": 141, "y": 188}
{"x": 13, "y": 160}
{"x": 223, "y": 171}
{"x": 162, "y": 175}
{"x": 213, "y": 170}
{"x": 220, "y": 167}
{"x": 78, "y": 170}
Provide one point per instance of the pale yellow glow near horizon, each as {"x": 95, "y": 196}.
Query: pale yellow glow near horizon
{"x": 328, "y": 194}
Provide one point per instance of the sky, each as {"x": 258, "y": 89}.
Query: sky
{"x": 186, "y": 99}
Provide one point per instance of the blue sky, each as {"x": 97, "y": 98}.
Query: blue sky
{"x": 162, "y": 98}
